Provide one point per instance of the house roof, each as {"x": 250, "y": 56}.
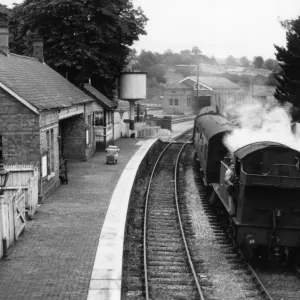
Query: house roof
{"x": 31, "y": 81}
{"x": 214, "y": 82}
{"x": 176, "y": 85}
{"x": 103, "y": 100}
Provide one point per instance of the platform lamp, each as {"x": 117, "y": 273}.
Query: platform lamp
{"x": 3, "y": 178}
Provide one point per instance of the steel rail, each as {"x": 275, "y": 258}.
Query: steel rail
{"x": 146, "y": 214}
{"x": 181, "y": 226}
{"x": 259, "y": 282}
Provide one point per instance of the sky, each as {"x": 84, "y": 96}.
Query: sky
{"x": 218, "y": 27}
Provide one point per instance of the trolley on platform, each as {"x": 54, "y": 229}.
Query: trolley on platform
{"x": 112, "y": 153}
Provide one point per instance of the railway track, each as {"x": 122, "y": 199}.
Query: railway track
{"x": 270, "y": 284}
{"x": 169, "y": 272}
{"x": 284, "y": 285}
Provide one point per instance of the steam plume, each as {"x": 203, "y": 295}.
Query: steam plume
{"x": 257, "y": 123}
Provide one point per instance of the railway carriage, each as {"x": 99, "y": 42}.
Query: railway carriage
{"x": 267, "y": 186}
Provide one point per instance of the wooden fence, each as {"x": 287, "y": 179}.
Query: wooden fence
{"x": 13, "y": 220}
{"x": 20, "y": 197}
{"x": 25, "y": 177}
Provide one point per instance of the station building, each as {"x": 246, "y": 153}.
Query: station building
{"x": 103, "y": 117}
{"x": 44, "y": 119}
{"x": 184, "y": 97}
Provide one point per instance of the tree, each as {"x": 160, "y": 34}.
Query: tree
{"x": 288, "y": 78}
{"x": 196, "y": 50}
{"x": 84, "y": 38}
{"x": 4, "y": 12}
{"x": 230, "y": 61}
{"x": 158, "y": 73}
{"x": 258, "y": 62}
{"x": 245, "y": 61}
{"x": 196, "y": 54}
{"x": 147, "y": 59}
{"x": 272, "y": 80}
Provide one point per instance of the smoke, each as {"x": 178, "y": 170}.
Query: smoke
{"x": 257, "y": 123}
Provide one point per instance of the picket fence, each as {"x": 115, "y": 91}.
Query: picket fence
{"x": 20, "y": 198}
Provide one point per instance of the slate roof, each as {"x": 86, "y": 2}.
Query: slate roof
{"x": 38, "y": 84}
{"x": 177, "y": 85}
{"x": 215, "y": 82}
{"x": 100, "y": 97}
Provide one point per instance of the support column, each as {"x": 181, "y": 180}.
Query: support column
{"x": 131, "y": 117}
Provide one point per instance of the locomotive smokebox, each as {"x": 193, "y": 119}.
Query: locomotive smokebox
{"x": 132, "y": 87}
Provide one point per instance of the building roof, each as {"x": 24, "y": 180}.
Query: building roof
{"x": 39, "y": 85}
{"x": 103, "y": 100}
{"x": 214, "y": 82}
{"x": 176, "y": 85}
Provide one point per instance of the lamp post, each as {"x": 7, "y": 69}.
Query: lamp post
{"x": 3, "y": 178}
{"x": 3, "y": 181}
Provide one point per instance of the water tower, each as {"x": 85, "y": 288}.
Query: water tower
{"x": 132, "y": 88}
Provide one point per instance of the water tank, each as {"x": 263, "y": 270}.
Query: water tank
{"x": 132, "y": 86}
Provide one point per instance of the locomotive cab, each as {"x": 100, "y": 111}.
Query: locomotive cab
{"x": 267, "y": 194}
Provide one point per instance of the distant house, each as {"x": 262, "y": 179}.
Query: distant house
{"x": 103, "y": 117}
{"x": 177, "y": 99}
{"x": 185, "y": 97}
{"x": 263, "y": 92}
{"x": 44, "y": 118}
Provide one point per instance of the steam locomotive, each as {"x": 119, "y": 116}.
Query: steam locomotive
{"x": 267, "y": 186}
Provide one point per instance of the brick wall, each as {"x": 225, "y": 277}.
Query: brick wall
{"x": 182, "y": 95}
{"x": 19, "y": 127}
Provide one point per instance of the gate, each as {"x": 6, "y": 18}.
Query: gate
{"x": 18, "y": 201}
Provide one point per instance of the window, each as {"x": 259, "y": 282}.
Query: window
{"x": 48, "y": 160}
{"x": 188, "y": 102}
{"x": 89, "y": 131}
{"x": 52, "y": 151}
{"x": 48, "y": 152}
{"x": 176, "y": 102}
{"x": 171, "y": 102}
{"x": 98, "y": 118}
{"x": 108, "y": 117}
{"x": 173, "y": 92}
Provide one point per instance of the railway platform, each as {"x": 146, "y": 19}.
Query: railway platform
{"x": 60, "y": 255}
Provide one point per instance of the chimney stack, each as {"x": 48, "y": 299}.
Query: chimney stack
{"x": 38, "y": 48}
{"x": 4, "y": 33}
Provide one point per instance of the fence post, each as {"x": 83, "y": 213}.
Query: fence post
{"x": 3, "y": 227}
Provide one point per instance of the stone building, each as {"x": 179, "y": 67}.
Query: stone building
{"x": 44, "y": 118}
{"x": 184, "y": 97}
